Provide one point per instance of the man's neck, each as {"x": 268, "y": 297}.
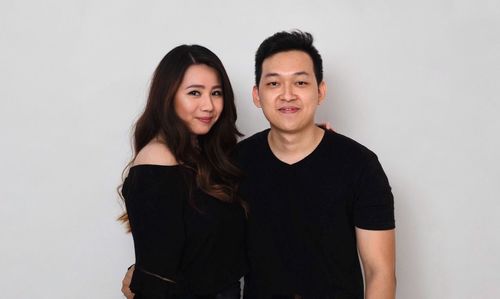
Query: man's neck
{"x": 291, "y": 147}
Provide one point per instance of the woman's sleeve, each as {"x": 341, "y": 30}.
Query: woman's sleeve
{"x": 154, "y": 198}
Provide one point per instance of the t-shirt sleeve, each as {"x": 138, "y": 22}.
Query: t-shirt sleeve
{"x": 154, "y": 201}
{"x": 374, "y": 202}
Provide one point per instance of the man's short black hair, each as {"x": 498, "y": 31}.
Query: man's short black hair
{"x": 287, "y": 41}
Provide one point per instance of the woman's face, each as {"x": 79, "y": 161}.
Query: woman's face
{"x": 199, "y": 100}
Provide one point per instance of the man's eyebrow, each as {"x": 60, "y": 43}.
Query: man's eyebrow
{"x": 271, "y": 75}
{"x": 294, "y": 74}
{"x": 301, "y": 73}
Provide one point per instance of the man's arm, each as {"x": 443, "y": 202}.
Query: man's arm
{"x": 126, "y": 283}
{"x": 377, "y": 252}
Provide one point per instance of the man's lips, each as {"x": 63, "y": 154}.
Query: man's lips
{"x": 288, "y": 109}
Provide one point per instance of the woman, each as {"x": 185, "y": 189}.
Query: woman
{"x": 180, "y": 193}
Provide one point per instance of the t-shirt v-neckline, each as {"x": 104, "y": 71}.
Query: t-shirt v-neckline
{"x": 295, "y": 164}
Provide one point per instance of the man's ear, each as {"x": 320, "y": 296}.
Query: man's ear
{"x": 321, "y": 92}
{"x": 255, "y": 96}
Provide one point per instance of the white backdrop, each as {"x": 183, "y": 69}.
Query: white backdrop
{"x": 415, "y": 81}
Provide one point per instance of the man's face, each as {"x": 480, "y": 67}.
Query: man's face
{"x": 288, "y": 92}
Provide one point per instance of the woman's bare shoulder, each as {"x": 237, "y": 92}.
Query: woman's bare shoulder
{"x": 155, "y": 153}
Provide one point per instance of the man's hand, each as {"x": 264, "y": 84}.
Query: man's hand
{"x": 126, "y": 283}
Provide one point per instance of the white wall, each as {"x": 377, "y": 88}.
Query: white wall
{"x": 415, "y": 81}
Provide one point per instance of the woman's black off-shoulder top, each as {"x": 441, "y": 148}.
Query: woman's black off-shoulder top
{"x": 180, "y": 249}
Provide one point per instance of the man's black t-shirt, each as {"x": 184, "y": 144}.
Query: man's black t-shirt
{"x": 302, "y": 218}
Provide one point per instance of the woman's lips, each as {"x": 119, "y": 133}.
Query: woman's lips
{"x": 205, "y": 120}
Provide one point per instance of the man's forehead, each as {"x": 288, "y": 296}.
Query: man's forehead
{"x": 289, "y": 63}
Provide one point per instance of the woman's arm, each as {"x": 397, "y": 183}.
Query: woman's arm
{"x": 154, "y": 196}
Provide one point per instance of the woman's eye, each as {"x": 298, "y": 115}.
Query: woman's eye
{"x": 194, "y": 93}
{"x": 217, "y": 93}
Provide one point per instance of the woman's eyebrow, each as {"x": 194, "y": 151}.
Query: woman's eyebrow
{"x": 195, "y": 86}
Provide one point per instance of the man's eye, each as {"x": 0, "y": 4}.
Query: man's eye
{"x": 301, "y": 83}
{"x": 194, "y": 93}
{"x": 273, "y": 84}
{"x": 217, "y": 93}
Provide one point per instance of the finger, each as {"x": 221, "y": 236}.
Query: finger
{"x": 322, "y": 125}
{"x": 126, "y": 283}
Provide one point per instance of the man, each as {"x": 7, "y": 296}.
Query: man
{"x": 316, "y": 198}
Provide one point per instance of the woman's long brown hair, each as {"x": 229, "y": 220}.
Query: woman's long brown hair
{"x": 209, "y": 160}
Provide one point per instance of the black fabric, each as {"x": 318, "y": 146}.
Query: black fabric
{"x": 233, "y": 291}
{"x": 201, "y": 250}
{"x": 301, "y": 225}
